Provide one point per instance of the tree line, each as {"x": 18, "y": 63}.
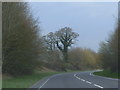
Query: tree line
{"x": 108, "y": 52}
{"x": 21, "y": 43}
{"x": 25, "y": 49}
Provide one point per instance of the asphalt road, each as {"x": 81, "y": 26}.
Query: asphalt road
{"x": 76, "y": 80}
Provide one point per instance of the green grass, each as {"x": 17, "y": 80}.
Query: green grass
{"x": 107, "y": 73}
{"x": 0, "y": 83}
{"x": 25, "y": 81}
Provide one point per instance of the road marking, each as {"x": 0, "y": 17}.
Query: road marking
{"x": 74, "y": 74}
{"x": 91, "y": 74}
{"x": 88, "y": 82}
{"x": 44, "y": 83}
{"x": 82, "y": 79}
{"x": 109, "y": 78}
{"x": 98, "y": 86}
{"x": 77, "y": 77}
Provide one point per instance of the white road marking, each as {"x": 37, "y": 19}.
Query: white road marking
{"x": 44, "y": 83}
{"x": 108, "y": 78}
{"x": 98, "y": 86}
{"x": 92, "y": 74}
{"x": 82, "y": 79}
{"x": 88, "y": 82}
{"x": 74, "y": 74}
{"x": 77, "y": 77}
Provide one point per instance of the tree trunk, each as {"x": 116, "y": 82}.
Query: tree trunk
{"x": 65, "y": 56}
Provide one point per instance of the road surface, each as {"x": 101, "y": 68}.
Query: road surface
{"x": 76, "y": 80}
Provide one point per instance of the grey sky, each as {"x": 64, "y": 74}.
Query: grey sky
{"x": 94, "y": 21}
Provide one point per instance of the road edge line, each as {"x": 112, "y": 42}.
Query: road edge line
{"x": 44, "y": 83}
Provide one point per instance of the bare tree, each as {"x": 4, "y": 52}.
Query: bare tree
{"x": 64, "y": 39}
{"x": 49, "y": 41}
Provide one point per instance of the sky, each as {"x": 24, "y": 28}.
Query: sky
{"x": 93, "y": 21}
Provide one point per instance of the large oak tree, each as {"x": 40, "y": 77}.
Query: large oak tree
{"x": 65, "y": 38}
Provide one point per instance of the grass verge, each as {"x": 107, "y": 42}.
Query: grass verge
{"x": 107, "y": 73}
{"x": 25, "y": 81}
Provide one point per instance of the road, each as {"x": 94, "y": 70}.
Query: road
{"x": 76, "y": 80}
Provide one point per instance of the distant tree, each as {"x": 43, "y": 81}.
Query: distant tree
{"x": 82, "y": 59}
{"x": 49, "y": 41}
{"x": 64, "y": 39}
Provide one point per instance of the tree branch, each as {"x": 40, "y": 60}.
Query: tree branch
{"x": 60, "y": 48}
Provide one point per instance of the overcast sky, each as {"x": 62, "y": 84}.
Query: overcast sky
{"x": 94, "y": 21}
